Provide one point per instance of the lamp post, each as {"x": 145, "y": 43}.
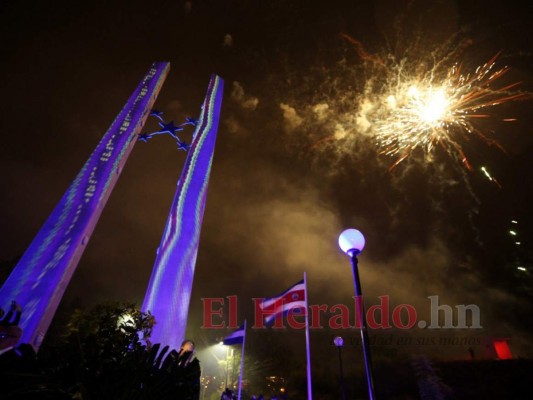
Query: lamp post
{"x": 352, "y": 242}
{"x": 339, "y": 342}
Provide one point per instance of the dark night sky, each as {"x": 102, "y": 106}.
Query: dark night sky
{"x": 276, "y": 203}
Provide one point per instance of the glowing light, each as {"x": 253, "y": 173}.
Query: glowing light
{"x": 517, "y": 243}
{"x": 351, "y": 240}
{"x": 512, "y": 233}
{"x": 125, "y": 321}
{"x": 521, "y": 268}
{"x": 486, "y": 173}
{"x": 435, "y": 108}
{"x": 502, "y": 349}
{"x": 411, "y": 103}
{"x": 514, "y": 222}
{"x": 490, "y": 177}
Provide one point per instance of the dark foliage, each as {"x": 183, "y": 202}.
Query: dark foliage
{"x": 102, "y": 356}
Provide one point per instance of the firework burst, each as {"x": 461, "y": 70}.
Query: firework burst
{"x": 407, "y": 106}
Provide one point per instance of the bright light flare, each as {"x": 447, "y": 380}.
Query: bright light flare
{"x": 490, "y": 177}
{"x": 486, "y": 173}
{"x": 411, "y": 104}
{"x": 436, "y": 109}
{"x": 432, "y": 106}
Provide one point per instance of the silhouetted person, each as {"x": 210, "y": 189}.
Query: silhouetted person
{"x": 183, "y": 370}
{"x": 188, "y": 371}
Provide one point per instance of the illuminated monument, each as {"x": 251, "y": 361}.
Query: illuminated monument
{"x": 39, "y": 280}
{"x": 170, "y": 286}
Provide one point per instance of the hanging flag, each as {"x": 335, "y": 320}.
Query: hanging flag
{"x": 236, "y": 337}
{"x": 291, "y": 299}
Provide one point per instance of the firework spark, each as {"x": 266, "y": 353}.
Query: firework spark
{"x": 433, "y": 103}
{"x": 490, "y": 177}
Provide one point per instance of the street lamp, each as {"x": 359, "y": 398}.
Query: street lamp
{"x": 352, "y": 242}
{"x": 339, "y": 342}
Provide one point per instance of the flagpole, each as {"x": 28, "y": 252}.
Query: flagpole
{"x": 227, "y": 365}
{"x": 242, "y": 362}
{"x": 309, "y": 390}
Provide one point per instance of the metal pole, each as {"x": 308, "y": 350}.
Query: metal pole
{"x": 343, "y": 389}
{"x": 232, "y": 368}
{"x": 242, "y": 362}
{"x": 227, "y": 365}
{"x": 308, "y": 351}
{"x": 364, "y": 334}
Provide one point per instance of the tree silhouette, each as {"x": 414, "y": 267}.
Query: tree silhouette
{"x": 105, "y": 353}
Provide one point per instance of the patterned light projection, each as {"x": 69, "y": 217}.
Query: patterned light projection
{"x": 170, "y": 286}
{"x": 40, "y": 278}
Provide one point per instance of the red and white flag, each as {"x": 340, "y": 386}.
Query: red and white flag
{"x": 291, "y": 299}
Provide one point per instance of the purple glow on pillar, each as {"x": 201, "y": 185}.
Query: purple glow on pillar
{"x": 169, "y": 291}
{"x": 40, "y": 278}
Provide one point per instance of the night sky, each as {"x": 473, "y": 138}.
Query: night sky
{"x": 279, "y": 194}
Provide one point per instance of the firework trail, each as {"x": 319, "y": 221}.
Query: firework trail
{"x": 490, "y": 177}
